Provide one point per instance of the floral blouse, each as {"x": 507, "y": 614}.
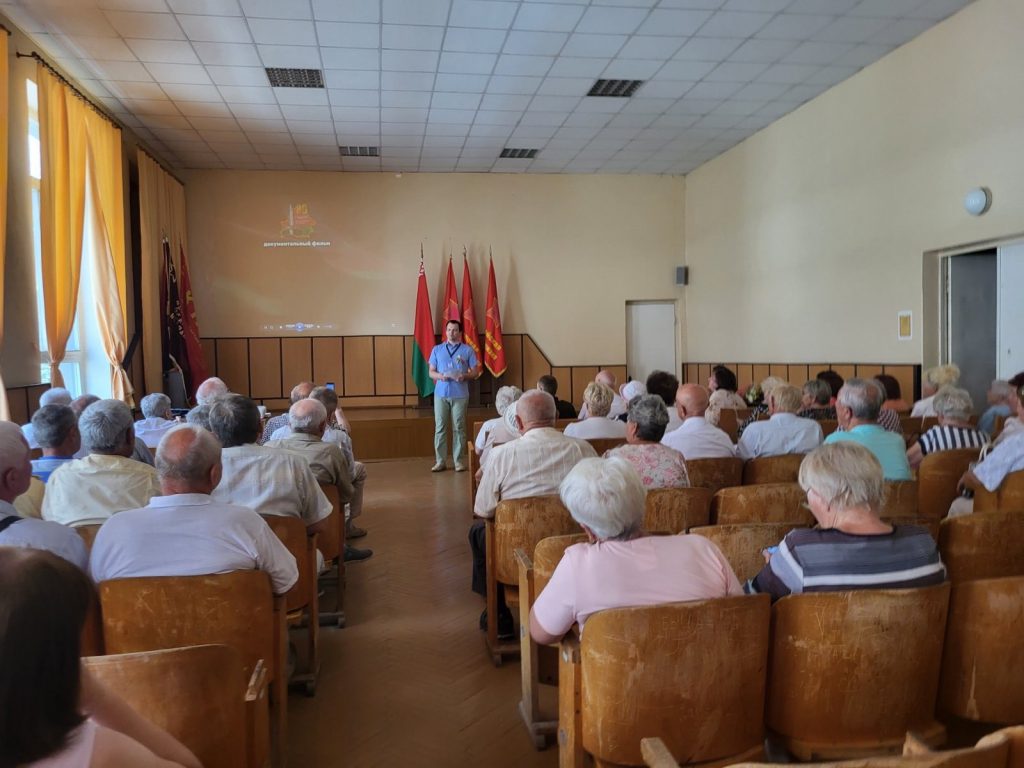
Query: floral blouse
{"x": 659, "y": 466}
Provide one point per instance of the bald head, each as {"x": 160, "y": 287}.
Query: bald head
{"x": 605, "y": 377}
{"x": 209, "y": 389}
{"x": 535, "y": 409}
{"x": 308, "y": 417}
{"x": 15, "y": 466}
{"x": 691, "y": 400}
{"x": 301, "y": 390}
{"x": 188, "y": 460}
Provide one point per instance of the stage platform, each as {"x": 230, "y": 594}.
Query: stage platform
{"x": 400, "y": 433}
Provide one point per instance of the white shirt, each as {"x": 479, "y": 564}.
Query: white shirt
{"x": 189, "y": 534}
{"x": 782, "y": 433}
{"x": 151, "y": 430}
{"x": 1005, "y": 458}
{"x": 39, "y": 534}
{"x": 674, "y": 422}
{"x": 696, "y": 439}
{"x": 533, "y": 465}
{"x": 596, "y": 429}
{"x": 88, "y": 491}
{"x": 485, "y": 430}
{"x": 272, "y": 482}
{"x": 30, "y": 435}
{"x": 924, "y": 407}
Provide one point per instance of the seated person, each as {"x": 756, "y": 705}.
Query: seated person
{"x": 722, "y": 383}
{"x": 185, "y": 532}
{"x": 816, "y": 401}
{"x": 1001, "y": 398}
{"x": 665, "y": 386}
{"x": 621, "y": 566}
{"x": 140, "y": 451}
{"x": 618, "y": 406}
{"x": 851, "y": 548}
{"x": 628, "y": 391}
{"x": 658, "y": 465}
{"x": 19, "y": 531}
{"x": 549, "y": 384}
{"x": 200, "y": 415}
{"x": 157, "y": 419}
{"x": 1013, "y": 424}
{"x": 493, "y": 431}
{"x": 893, "y": 394}
{"x": 761, "y": 408}
{"x": 933, "y": 380}
{"x": 784, "y": 432}
{"x": 834, "y": 380}
{"x": 53, "y": 712}
{"x": 299, "y": 392}
{"x": 209, "y": 389}
{"x": 1006, "y": 456}
{"x": 695, "y": 438}
{"x": 597, "y": 424}
{"x": 953, "y": 407}
{"x": 88, "y": 491}
{"x": 56, "y": 431}
{"x": 858, "y": 406}
{"x": 52, "y": 396}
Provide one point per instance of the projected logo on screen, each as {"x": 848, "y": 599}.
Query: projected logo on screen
{"x": 296, "y": 230}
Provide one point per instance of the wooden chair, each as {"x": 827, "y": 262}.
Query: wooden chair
{"x": 302, "y": 602}
{"x": 88, "y": 533}
{"x": 561, "y": 424}
{"x": 913, "y": 427}
{"x": 1009, "y": 496}
{"x": 473, "y": 465}
{"x": 715, "y": 473}
{"x": 517, "y": 524}
{"x": 930, "y": 523}
{"x": 236, "y": 609}
{"x": 201, "y": 694}
{"x": 690, "y": 673}
{"x": 331, "y": 543}
{"x": 900, "y": 499}
{"x": 982, "y": 546}
{"x": 874, "y": 658}
{"x": 773, "y": 469}
{"x": 602, "y": 444}
{"x": 538, "y": 664}
{"x": 937, "y": 479}
{"x": 742, "y": 543}
{"x": 676, "y": 510}
{"x": 729, "y": 422}
{"x": 763, "y": 503}
{"x": 828, "y": 426}
{"x": 983, "y": 658}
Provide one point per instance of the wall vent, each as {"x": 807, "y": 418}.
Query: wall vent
{"x": 519, "y": 154}
{"x": 615, "y": 88}
{"x": 359, "y": 151}
{"x": 295, "y": 78}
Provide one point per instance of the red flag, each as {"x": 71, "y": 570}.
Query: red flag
{"x": 494, "y": 351}
{"x": 450, "y": 307}
{"x": 422, "y": 337}
{"x": 175, "y": 355}
{"x": 469, "y": 332}
{"x": 190, "y": 328}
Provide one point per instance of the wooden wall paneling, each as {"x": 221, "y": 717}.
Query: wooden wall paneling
{"x": 564, "y": 377}
{"x": 389, "y": 365}
{"x": 233, "y": 364}
{"x": 513, "y": 375}
{"x": 690, "y": 373}
{"x": 358, "y": 366}
{"x": 779, "y": 369}
{"x": 327, "y": 362}
{"x": 34, "y": 392}
{"x": 798, "y": 375}
{"x": 17, "y": 401}
{"x": 265, "y": 369}
{"x": 296, "y": 362}
{"x": 760, "y": 372}
{"x": 703, "y": 374}
{"x": 619, "y": 372}
{"x": 535, "y": 364}
{"x": 410, "y": 385}
{"x": 846, "y": 371}
{"x": 389, "y": 401}
{"x": 581, "y": 376}
{"x": 904, "y": 374}
{"x": 868, "y": 371}
{"x": 814, "y": 368}
{"x": 209, "y": 356}
{"x": 744, "y": 374}
{"x": 277, "y": 406}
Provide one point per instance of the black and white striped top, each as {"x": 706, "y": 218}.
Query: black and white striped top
{"x": 947, "y": 438}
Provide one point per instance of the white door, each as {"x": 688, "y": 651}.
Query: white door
{"x": 1010, "y": 310}
{"x": 650, "y": 338}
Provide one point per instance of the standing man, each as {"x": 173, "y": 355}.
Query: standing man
{"x": 452, "y": 365}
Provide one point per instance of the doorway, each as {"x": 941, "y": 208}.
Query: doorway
{"x": 650, "y": 338}
{"x": 971, "y": 320}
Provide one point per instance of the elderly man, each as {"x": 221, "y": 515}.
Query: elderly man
{"x": 140, "y": 452}
{"x": 857, "y": 408}
{"x": 16, "y": 531}
{"x": 452, "y": 366}
{"x": 695, "y": 438}
{"x": 157, "y": 419}
{"x": 549, "y": 384}
{"x": 52, "y": 396}
{"x": 185, "y": 532}
{"x": 784, "y": 432}
{"x": 1001, "y": 398}
{"x": 533, "y": 465}
{"x": 209, "y": 389}
{"x": 56, "y": 431}
{"x": 618, "y": 406}
{"x": 90, "y": 490}
{"x": 299, "y": 392}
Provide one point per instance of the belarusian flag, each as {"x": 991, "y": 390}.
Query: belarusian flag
{"x": 494, "y": 351}
{"x": 422, "y": 337}
{"x": 470, "y": 335}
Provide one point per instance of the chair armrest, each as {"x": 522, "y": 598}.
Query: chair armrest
{"x": 258, "y": 682}
{"x": 524, "y": 560}
{"x": 656, "y": 754}
{"x": 257, "y": 717}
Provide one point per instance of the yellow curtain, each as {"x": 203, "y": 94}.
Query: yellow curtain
{"x": 62, "y": 128}
{"x": 5, "y": 411}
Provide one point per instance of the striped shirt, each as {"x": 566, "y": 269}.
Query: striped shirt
{"x": 948, "y": 438}
{"x": 829, "y": 560}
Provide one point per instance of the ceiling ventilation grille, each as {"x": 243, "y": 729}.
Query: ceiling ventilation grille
{"x": 519, "y": 154}
{"x": 615, "y": 88}
{"x": 359, "y": 151}
{"x": 295, "y": 78}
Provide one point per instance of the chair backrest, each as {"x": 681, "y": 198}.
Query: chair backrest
{"x": 900, "y": 499}
{"x": 937, "y": 478}
{"x": 763, "y": 503}
{"x": 197, "y": 694}
{"x": 983, "y": 658}
{"x": 913, "y": 427}
{"x": 929, "y": 523}
{"x": 729, "y": 422}
{"x": 561, "y": 424}
{"x": 828, "y": 426}
{"x": 875, "y": 656}
{"x": 675, "y": 510}
{"x": 329, "y": 540}
{"x": 715, "y": 473}
{"x": 691, "y": 673}
{"x": 88, "y": 533}
{"x": 477, "y": 426}
{"x": 602, "y": 444}
{"x": 983, "y": 546}
{"x": 547, "y": 556}
{"x": 742, "y": 543}
{"x": 520, "y": 524}
{"x": 773, "y": 469}
{"x": 1009, "y": 496}
{"x": 292, "y": 533}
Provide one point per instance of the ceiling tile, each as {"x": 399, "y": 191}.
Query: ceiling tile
{"x": 228, "y": 54}
{"x": 831, "y": 75}
{"x": 568, "y": 66}
{"x": 853, "y": 29}
{"x": 936, "y": 10}
{"x": 122, "y": 70}
{"x": 215, "y": 29}
{"x": 591, "y": 46}
{"x": 265, "y": 131}
{"x": 102, "y": 48}
{"x": 550, "y": 120}
{"x": 535, "y": 43}
{"x": 739, "y": 106}
{"x": 399, "y": 115}
{"x": 433, "y": 12}
{"x": 803, "y": 92}
{"x": 407, "y": 81}
{"x": 353, "y": 98}
{"x": 711, "y": 90}
{"x": 356, "y": 114}
{"x": 136, "y": 90}
{"x": 352, "y": 79}
{"x": 473, "y": 40}
{"x": 817, "y": 53}
{"x": 179, "y": 73}
{"x": 695, "y": 105}
{"x": 461, "y": 83}
{"x": 282, "y": 31}
{"x": 467, "y": 63}
{"x": 300, "y": 112}
{"x": 189, "y": 93}
{"x": 685, "y": 70}
{"x": 154, "y": 26}
{"x": 214, "y": 123}
{"x": 901, "y": 31}
{"x": 245, "y": 94}
{"x": 604, "y": 104}
{"x": 350, "y": 58}
{"x": 313, "y": 131}
{"x": 533, "y": 133}
{"x": 794, "y": 26}
{"x": 409, "y": 61}
{"x": 763, "y": 51}
{"x": 763, "y": 91}
{"x": 344, "y": 128}
{"x": 411, "y": 37}
{"x": 668, "y": 89}
{"x": 611, "y": 20}
{"x": 464, "y": 116}
{"x": 644, "y": 106}
{"x": 490, "y": 131}
{"x": 277, "y": 9}
{"x": 287, "y": 56}
{"x": 523, "y": 65}
{"x": 455, "y": 101}
{"x": 344, "y": 34}
{"x": 163, "y": 51}
{"x": 821, "y": 6}
{"x": 631, "y": 69}
{"x": 707, "y": 48}
{"x": 303, "y": 96}
{"x": 650, "y": 47}
{"x": 238, "y": 75}
{"x": 513, "y": 84}
{"x": 548, "y": 17}
{"x": 255, "y": 111}
{"x": 482, "y": 13}
{"x": 734, "y": 24}
{"x": 787, "y": 73}
{"x": 674, "y": 22}
{"x": 862, "y": 55}
{"x": 554, "y": 103}
{"x": 735, "y": 72}
{"x": 506, "y": 101}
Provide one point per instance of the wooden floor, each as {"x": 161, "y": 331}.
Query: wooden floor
{"x": 407, "y": 682}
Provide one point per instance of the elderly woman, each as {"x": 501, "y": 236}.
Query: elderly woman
{"x": 493, "y": 430}
{"x": 722, "y": 383}
{"x": 893, "y": 393}
{"x": 597, "y": 399}
{"x": 933, "y": 380}
{"x": 658, "y": 465}
{"x": 620, "y": 566}
{"x": 851, "y": 548}
{"x": 953, "y": 407}
{"x": 816, "y": 401}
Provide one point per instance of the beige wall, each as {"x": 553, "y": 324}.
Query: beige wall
{"x": 806, "y": 240}
{"x": 569, "y": 251}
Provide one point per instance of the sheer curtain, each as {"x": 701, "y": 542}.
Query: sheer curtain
{"x": 5, "y": 411}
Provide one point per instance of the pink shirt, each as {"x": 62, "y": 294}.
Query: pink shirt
{"x": 620, "y": 574}
{"x": 78, "y": 752}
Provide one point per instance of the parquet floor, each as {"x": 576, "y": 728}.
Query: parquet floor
{"x": 407, "y": 682}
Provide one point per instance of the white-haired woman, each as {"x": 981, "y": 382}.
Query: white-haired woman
{"x": 953, "y": 406}
{"x": 493, "y": 430}
{"x": 933, "y": 380}
{"x": 621, "y": 566}
{"x": 658, "y": 465}
{"x": 597, "y": 400}
{"x": 851, "y": 548}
